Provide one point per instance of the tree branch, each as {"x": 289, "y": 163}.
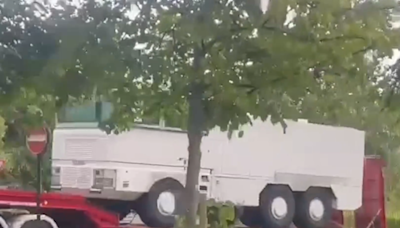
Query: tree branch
{"x": 310, "y": 38}
{"x": 341, "y": 37}
{"x": 363, "y": 50}
{"x": 362, "y": 7}
{"x": 250, "y": 88}
{"x": 171, "y": 30}
{"x": 218, "y": 39}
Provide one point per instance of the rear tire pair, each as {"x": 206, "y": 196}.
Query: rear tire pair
{"x": 278, "y": 208}
{"x": 314, "y": 208}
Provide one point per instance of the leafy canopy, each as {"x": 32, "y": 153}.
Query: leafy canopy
{"x": 263, "y": 65}
{"x": 252, "y": 64}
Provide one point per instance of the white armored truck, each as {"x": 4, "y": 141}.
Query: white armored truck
{"x": 275, "y": 178}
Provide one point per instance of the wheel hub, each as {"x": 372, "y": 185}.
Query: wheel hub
{"x": 166, "y": 203}
{"x": 279, "y": 208}
{"x": 316, "y": 209}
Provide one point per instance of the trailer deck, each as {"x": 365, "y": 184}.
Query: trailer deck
{"x": 58, "y": 205}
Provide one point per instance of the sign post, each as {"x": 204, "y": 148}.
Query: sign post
{"x": 37, "y": 141}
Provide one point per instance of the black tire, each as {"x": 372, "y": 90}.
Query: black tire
{"x": 36, "y": 224}
{"x": 303, "y": 218}
{"x": 268, "y": 197}
{"x": 251, "y": 217}
{"x": 148, "y": 210}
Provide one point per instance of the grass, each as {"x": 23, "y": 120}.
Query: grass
{"x": 393, "y": 219}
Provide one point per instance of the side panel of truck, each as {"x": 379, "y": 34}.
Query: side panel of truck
{"x": 140, "y": 157}
{"x": 305, "y": 155}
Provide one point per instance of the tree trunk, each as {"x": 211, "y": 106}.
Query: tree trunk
{"x": 196, "y": 123}
{"x": 203, "y": 223}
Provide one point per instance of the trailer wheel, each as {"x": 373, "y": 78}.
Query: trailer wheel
{"x": 36, "y": 224}
{"x": 313, "y": 208}
{"x": 277, "y": 206}
{"x": 29, "y": 221}
{"x": 250, "y": 216}
{"x": 3, "y": 223}
{"x": 160, "y": 205}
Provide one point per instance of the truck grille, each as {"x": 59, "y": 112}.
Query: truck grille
{"x": 76, "y": 177}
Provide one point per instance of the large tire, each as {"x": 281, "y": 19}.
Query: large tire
{"x": 277, "y": 206}
{"x": 36, "y": 224}
{"x": 313, "y": 208}
{"x": 155, "y": 214}
{"x": 250, "y": 216}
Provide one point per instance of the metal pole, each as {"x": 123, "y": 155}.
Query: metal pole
{"x": 39, "y": 185}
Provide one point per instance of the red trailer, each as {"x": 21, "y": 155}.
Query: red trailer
{"x": 18, "y": 208}
{"x": 372, "y": 214}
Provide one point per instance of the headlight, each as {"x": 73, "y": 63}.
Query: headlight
{"x": 104, "y": 178}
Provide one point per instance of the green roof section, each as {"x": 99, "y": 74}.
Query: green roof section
{"x": 88, "y": 112}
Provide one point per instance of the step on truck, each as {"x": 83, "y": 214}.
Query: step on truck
{"x": 299, "y": 175}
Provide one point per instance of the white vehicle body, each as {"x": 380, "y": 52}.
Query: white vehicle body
{"x": 234, "y": 170}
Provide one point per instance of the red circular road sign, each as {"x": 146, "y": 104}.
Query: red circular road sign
{"x": 37, "y": 140}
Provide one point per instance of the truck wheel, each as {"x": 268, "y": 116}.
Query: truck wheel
{"x": 250, "y": 217}
{"x": 313, "y": 208}
{"x": 36, "y": 224}
{"x": 277, "y": 206}
{"x": 160, "y": 205}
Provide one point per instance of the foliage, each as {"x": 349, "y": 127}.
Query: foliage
{"x": 233, "y": 89}
{"x": 393, "y": 220}
{"x": 221, "y": 215}
{"x": 49, "y": 59}
{"x": 20, "y": 169}
{"x": 362, "y": 109}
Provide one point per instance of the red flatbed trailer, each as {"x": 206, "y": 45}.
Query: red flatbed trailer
{"x": 71, "y": 211}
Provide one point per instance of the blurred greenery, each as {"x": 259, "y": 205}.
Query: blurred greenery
{"x": 393, "y": 220}
{"x": 220, "y": 215}
{"x": 20, "y": 170}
